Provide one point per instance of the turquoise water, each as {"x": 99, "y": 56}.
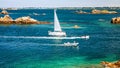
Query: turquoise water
{"x": 36, "y": 52}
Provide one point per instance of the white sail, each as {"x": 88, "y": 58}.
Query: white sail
{"x": 56, "y": 22}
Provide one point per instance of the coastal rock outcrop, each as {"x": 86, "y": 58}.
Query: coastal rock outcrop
{"x": 95, "y": 11}
{"x": 115, "y": 20}
{"x": 4, "y": 12}
{"x": 26, "y": 20}
{"x": 21, "y": 20}
{"x": 111, "y": 65}
{"x": 6, "y": 18}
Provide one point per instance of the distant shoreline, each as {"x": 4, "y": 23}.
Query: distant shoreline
{"x": 16, "y": 8}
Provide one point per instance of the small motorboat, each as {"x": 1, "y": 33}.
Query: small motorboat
{"x": 85, "y": 37}
{"x": 71, "y": 44}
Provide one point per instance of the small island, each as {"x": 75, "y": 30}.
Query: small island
{"x": 95, "y": 11}
{"x": 21, "y": 20}
{"x": 4, "y": 12}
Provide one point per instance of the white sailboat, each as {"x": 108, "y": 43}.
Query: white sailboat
{"x": 57, "y": 29}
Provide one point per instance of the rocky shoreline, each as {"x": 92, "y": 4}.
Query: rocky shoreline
{"x": 21, "y": 20}
{"x": 115, "y": 20}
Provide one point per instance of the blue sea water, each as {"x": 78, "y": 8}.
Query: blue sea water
{"x": 36, "y": 52}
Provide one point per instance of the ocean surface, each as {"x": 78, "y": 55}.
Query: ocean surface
{"x": 23, "y": 46}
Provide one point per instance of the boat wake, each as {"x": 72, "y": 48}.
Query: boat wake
{"x": 44, "y": 37}
{"x": 59, "y": 45}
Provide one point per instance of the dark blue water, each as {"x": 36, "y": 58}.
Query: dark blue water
{"x": 36, "y": 52}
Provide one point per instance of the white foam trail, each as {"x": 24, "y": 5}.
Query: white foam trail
{"x": 45, "y": 37}
{"x": 54, "y": 44}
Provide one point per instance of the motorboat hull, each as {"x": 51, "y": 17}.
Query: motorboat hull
{"x": 71, "y": 44}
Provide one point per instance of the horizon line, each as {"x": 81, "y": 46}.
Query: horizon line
{"x": 65, "y": 7}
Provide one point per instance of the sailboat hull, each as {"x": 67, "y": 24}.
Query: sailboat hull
{"x": 57, "y": 33}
